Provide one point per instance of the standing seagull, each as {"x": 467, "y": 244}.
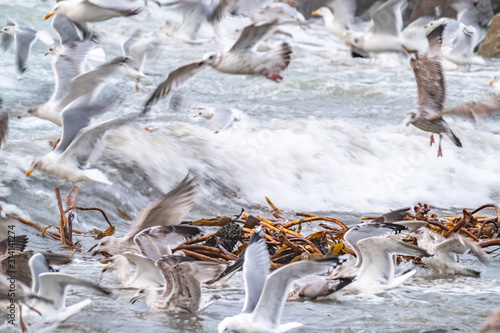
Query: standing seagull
{"x": 23, "y": 36}
{"x": 265, "y": 294}
{"x": 431, "y": 91}
{"x": 239, "y": 59}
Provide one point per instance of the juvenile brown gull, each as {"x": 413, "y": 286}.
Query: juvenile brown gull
{"x": 182, "y": 279}
{"x": 431, "y": 91}
{"x": 239, "y": 59}
{"x": 265, "y": 294}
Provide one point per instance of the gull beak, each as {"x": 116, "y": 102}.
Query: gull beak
{"x": 104, "y": 269}
{"x": 46, "y": 53}
{"x": 491, "y": 82}
{"x": 24, "y": 114}
{"x": 163, "y": 26}
{"x": 315, "y": 12}
{"x": 29, "y": 172}
{"x": 48, "y": 15}
{"x": 342, "y": 37}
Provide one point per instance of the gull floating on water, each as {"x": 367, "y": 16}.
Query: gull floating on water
{"x": 431, "y": 91}
{"x": 446, "y": 252}
{"x": 265, "y": 294}
{"x": 182, "y": 279}
{"x": 166, "y": 211}
{"x": 239, "y": 59}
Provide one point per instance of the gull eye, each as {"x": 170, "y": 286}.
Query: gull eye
{"x": 355, "y": 40}
{"x": 211, "y": 57}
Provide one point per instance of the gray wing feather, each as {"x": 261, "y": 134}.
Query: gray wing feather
{"x": 475, "y": 109}
{"x": 387, "y": 19}
{"x": 53, "y": 286}
{"x": 430, "y": 83}
{"x": 255, "y": 269}
{"x": 251, "y": 35}
{"x": 157, "y": 241}
{"x": 4, "y": 127}
{"x": 168, "y": 210}
{"x": 24, "y": 39}
{"x": 278, "y": 284}
{"x": 67, "y": 30}
{"x": 174, "y": 80}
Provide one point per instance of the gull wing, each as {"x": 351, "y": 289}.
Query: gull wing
{"x": 460, "y": 245}
{"x": 24, "y": 39}
{"x": 83, "y": 146}
{"x": 157, "y": 241}
{"x": 251, "y": 35}
{"x": 68, "y": 31}
{"x": 38, "y": 265}
{"x": 344, "y": 11}
{"x": 19, "y": 244}
{"x": 378, "y": 262}
{"x": 53, "y": 287}
{"x": 168, "y": 210}
{"x": 387, "y": 19}
{"x": 4, "y": 126}
{"x": 91, "y": 82}
{"x": 174, "y": 80}
{"x": 430, "y": 83}
{"x": 145, "y": 270}
{"x": 278, "y": 284}
{"x": 475, "y": 109}
{"x": 68, "y": 65}
{"x": 255, "y": 269}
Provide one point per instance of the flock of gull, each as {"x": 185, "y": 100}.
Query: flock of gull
{"x": 171, "y": 282}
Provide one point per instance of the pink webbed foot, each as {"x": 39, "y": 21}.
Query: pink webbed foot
{"x": 275, "y": 77}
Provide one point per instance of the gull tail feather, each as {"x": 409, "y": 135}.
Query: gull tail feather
{"x": 454, "y": 138}
{"x": 97, "y": 176}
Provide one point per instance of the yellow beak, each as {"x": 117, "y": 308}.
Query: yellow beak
{"x": 315, "y": 13}
{"x": 46, "y": 53}
{"x": 163, "y": 26}
{"x": 491, "y": 82}
{"x": 48, "y": 15}
{"x": 28, "y": 173}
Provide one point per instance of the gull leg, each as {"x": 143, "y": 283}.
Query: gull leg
{"x": 274, "y": 77}
{"x": 440, "y": 152}
{"x": 21, "y": 321}
{"x": 55, "y": 143}
{"x": 73, "y": 201}
{"x": 137, "y": 83}
{"x": 432, "y": 139}
{"x": 68, "y": 197}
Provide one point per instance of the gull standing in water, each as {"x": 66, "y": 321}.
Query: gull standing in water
{"x": 182, "y": 279}
{"x": 239, "y": 59}
{"x": 431, "y": 91}
{"x": 265, "y": 294}
{"x": 166, "y": 211}
{"x": 23, "y": 37}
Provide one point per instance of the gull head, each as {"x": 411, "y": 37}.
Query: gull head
{"x": 36, "y": 164}
{"x": 115, "y": 262}
{"x": 495, "y": 82}
{"x": 140, "y": 294}
{"x": 9, "y": 30}
{"x": 107, "y": 244}
{"x": 53, "y": 50}
{"x": 205, "y": 113}
{"x": 212, "y": 59}
{"x": 59, "y": 8}
{"x": 411, "y": 117}
{"x": 32, "y": 111}
{"x": 323, "y": 11}
{"x": 354, "y": 38}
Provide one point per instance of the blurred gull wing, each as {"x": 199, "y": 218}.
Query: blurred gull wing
{"x": 393, "y": 216}
{"x": 82, "y": 148}
{"x": 248, "y": 7}
{"x": 430, "y": 83}
{"x": 157, "y": 241}
{"x": 68, "y": 31}
{"x": 25, "y": 37}
{"x": 378, "y": 261}
{"x": 344, "y": 11}
{"x": 116, "y": 5}
{"x": 18, "y": 245}
{"x": 68, "y": 64}
{"x": 222, "y": 118}
{"x": 387, "y": 19}
{"x": 460, "y": 245}
{"x": 174, "y": 80}
{"x": 435, "y": 38}
{"x": 361, "y": 231}
{"x": 4, "y": 127}
{"x": 475, "y": 109}
{"x": 91, "y": 81}
{"x": 38, "y": 265}
{"x": 255, "y": 269}
{"x": 146, "y": 274}
{"x": 251, "y": 35}
{"x": 53, "y": 287}
{"x": 168, "y": 210}
{"x": 278, "y": 284}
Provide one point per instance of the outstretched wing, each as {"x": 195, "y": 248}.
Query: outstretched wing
{"x": 251, "y": 35}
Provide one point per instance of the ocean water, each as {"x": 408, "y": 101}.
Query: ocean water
{"x": 329, "y": 139}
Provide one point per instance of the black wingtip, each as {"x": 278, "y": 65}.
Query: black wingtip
{"x": 437, "y": 33}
